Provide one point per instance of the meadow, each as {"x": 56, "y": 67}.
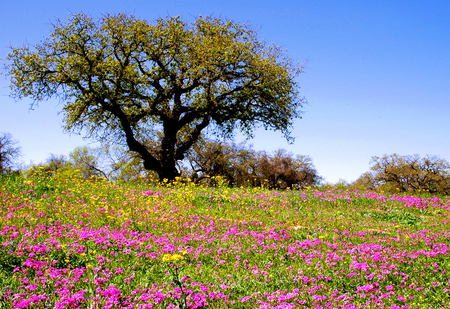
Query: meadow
{"x": 73, "y": 243}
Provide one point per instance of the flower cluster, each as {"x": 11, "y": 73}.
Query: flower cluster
{"x": 172, "y": 257}
{"x": 80, "y": 244}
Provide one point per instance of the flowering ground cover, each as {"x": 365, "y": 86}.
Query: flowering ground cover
{"x": 95, "y": 244}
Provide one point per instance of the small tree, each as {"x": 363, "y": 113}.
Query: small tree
{"x": 130, "y": 82}
{"x": 307, "y": 174}
{"x": 411, "y": 173}
{"x": 111, "y": 162}
{"x": 56, "y": 162}
{"x": 282, "y": 170}
{"x": 9, "y": 152}
{"x": 88, "y": 161}
{"x": 235, "y": 162}
{"x": 124, "y": 165}
{"x": 365, "y": 182}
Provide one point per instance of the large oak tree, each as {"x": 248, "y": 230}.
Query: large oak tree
{"x": 156, "y": 87}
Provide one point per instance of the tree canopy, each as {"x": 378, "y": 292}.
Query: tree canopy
{"x": 411, "y": 173}
{"x": 156, "y": 87}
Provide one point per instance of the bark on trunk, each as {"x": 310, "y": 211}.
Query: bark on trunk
{"x": 164, "y": 171}
{"x": 167, "y": 153}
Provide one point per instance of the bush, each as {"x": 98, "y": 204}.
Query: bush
{"x": 395, "y": 173}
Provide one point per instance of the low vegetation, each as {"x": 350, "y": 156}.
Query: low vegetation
{"x": 73, "y": 243}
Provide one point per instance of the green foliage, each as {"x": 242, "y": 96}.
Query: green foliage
{"x": 111, "y": 162}
{"x": 68, "y": 174}
{"x": 400, "y": 174}
{"x": 8, "y": 260}
{"x": 127, "y": 81}
{"x": 233, "y": 162}
{"x": 10, "y": 178}
{"x": 405, "y": 218}
{"x": 88, "y": 161}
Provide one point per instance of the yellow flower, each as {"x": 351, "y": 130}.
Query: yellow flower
{"x": 167, "y": 258}
{"x": 177, "y": 257}
{"x": 170, "y": 257}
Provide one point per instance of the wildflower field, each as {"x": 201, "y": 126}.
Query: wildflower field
{"x": 72, "y": 243}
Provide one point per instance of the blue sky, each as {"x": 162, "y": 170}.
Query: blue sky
{"x": 377, "y": 77}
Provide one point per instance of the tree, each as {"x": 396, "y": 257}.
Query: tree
{"x": 307, "y": 174}
{"x": 365, "y": 182}
{"x": 111, "y": 162}
{"x": 235, "y": 162}
{"x": 9, "y": 152}
{"x": 55, "y": 162}
{"x": 409, "y": 174}
{"x": 138, "y": 84}
{"x": 88, "y": 161}
{"x": 283, "y": 170}
{"x": 241, "y": 165}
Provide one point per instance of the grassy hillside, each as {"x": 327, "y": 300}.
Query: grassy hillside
{"x": 69, "y": 243}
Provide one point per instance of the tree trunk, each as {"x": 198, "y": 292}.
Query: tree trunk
{"x": 169, "y": 170}
{"x": 166, "y": 169}
{"x": 167, "y": 152}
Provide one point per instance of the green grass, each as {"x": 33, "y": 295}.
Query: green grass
{"x": 92, "y": 244}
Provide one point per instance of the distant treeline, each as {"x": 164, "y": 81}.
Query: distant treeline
{"x": 209, "y": 161}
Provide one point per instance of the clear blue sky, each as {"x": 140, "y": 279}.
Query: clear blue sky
{"x": 377, "y": 80}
